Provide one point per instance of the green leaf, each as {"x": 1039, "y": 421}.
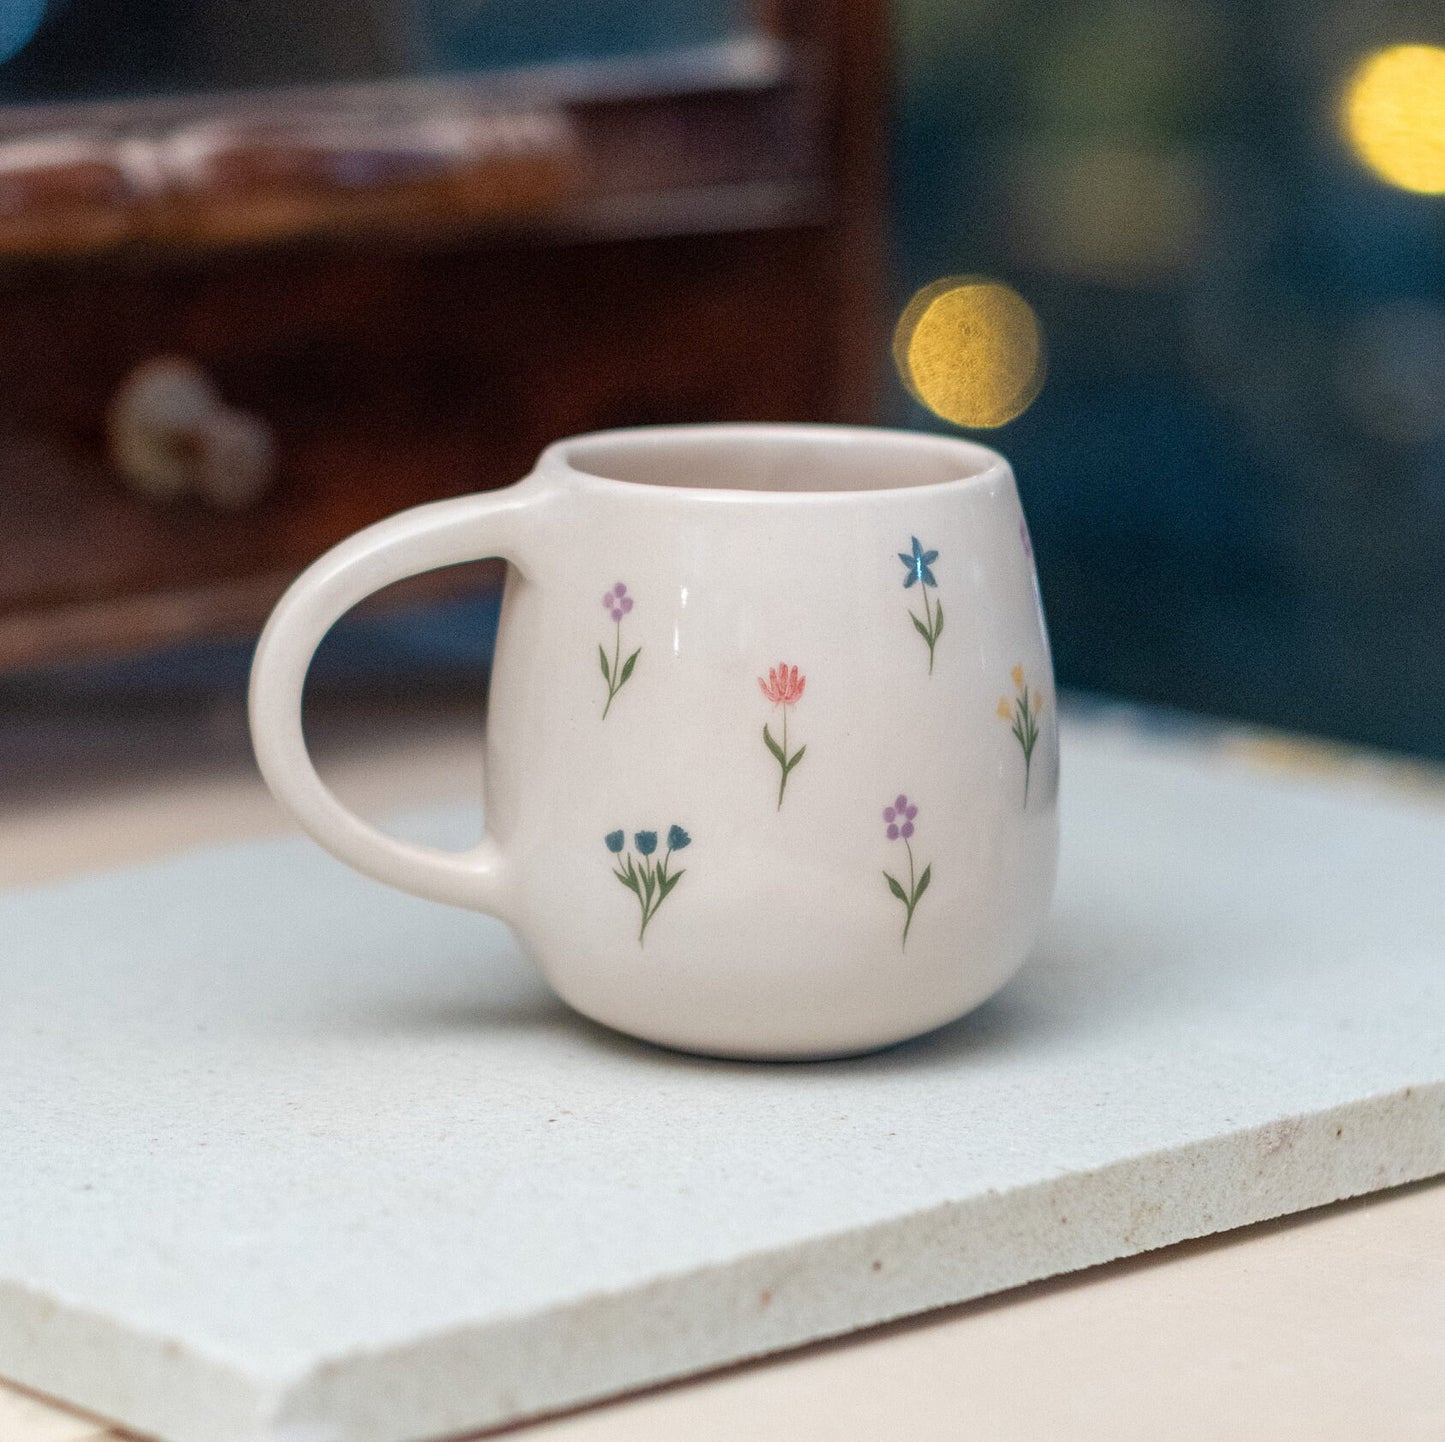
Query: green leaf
{"x": 923, "y": 882}
{"x": 796, "y": 757}
{"x": 938, "y": 620}
{"x": 896, "y": 889}
{"x": 606, "y": 669}
{"x": 670, "y": 883}
{"x": 630, "y": 882}
{"x": 649, "y": 882}
{"x": 920, "y": 627}
{"x": 773, "y": 746}
{"x": 627, "y": 666}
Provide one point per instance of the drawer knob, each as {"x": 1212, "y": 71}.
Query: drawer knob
{"x": 173, "y": 437}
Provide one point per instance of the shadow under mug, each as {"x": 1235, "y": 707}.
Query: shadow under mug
{"x": 772, "y": 762}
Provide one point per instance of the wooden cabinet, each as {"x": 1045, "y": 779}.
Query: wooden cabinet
{"x": 412, "y": 287}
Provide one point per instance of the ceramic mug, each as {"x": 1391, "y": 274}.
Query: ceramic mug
{"x": 772, "y": 763}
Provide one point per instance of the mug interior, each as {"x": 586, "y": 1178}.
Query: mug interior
{"x": 778, "y": 458}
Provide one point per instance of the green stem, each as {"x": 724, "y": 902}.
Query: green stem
{"x": 648, "y": 913}
{"x": 1028, "y": 738}
{"x": 1026, "y": 727}
{"x": 912, "y": 891}
{"x": 783, "y": 764}
{"x": 612, "y": 687}
{"x": 932, "y": 634}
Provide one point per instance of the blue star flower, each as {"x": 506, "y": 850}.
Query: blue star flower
{"x": 677, "y": 838}
{"x": 613, "y": 840}
{"x": 646, "y": 842}
{"x": 917, "y": 565}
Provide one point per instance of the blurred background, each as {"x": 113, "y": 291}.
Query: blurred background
{"x": 1235, "y": 472}
{"x": 269, "y": 272}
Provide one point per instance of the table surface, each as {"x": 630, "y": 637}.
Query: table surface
{"x": 1330, "y": 1325}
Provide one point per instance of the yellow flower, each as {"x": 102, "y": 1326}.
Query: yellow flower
{"x": 1004, "y": 709}
{"x": 1018, "y": 675}
{"x": 1038, "y": 703}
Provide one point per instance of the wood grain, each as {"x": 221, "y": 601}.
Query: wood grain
{"x": 24, "y": 1417}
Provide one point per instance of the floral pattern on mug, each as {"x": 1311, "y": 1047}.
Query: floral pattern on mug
{"x": 617, "y": 672}
{"x": 1023, "y": 713}
{"x": 784, "y": 687}
{"x": 898, "y": 819}
{"x": 919, "y": 566}
{"x": 648, "y": 879}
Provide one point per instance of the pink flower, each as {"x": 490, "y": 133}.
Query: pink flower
{"x": 784, "y": 687}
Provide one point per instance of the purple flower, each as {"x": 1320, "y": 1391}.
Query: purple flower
{"x": 616, "y": 602}
{"x": 899, "y": 817}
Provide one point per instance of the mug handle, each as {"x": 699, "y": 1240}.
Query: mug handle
{"x": 443, "y": 533}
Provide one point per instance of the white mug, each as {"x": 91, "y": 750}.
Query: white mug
{"x": 772, "y": 762}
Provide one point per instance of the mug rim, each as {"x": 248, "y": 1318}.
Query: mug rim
{"x": 981, "y": 465}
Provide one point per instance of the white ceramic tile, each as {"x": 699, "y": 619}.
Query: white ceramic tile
{"x": 286, "y": 1157}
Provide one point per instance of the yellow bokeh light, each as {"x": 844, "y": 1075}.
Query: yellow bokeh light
{"x": 971, "y": 350}
{"x": 1394, "y": 116}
